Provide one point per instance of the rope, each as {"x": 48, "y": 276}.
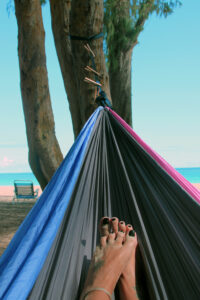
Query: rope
{"x": 93, "y": 37}
{"x": 101, "y": 99}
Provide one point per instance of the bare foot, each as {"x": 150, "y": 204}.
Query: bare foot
{"x": 127, "y": 280}
{"x": 110, "y": 259}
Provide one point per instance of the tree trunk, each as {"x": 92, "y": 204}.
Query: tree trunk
{"x": 120, "y": 86}
{"x": 120, "y": 73}
{"x": 122, "y": 42}
{"x": 44, "y": 152}
{"x": 83, "y": 19}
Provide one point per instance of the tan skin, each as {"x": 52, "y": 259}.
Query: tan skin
{"x": 113, "y": 262}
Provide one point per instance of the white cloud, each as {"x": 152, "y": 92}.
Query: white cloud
{"x": 14, "y": 160}
{"x": 5, "y": 162}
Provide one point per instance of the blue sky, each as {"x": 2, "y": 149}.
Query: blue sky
{"x": 166, "y": 89}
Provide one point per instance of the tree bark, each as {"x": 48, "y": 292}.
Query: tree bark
{"x": 82, "y": 19}
{"x": 120, "y": 86}
{"x": 120, "y": 72}
{"x": 44, "y": 152}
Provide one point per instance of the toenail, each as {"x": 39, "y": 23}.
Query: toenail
{"x": 122, "y": 222}
{"x": 129, "y": 226}
{"x": 113, "y": 219}
{"x": 132, "y": 233}
{"x": 105, "y": 221}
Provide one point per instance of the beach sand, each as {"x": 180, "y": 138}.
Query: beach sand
{"x": 7, "y": 192}
{"x": 197, "y": 185}
{"x": 12, "y": 215}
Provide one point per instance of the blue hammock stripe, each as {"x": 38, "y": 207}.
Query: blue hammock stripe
{"x": 32, "y": 242}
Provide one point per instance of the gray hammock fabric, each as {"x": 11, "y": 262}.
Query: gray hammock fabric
{"x": 119, "y": 178}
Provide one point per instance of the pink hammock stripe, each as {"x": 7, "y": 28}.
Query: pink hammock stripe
{"x": 184, "y": 183}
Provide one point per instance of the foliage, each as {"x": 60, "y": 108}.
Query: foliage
{"x": 124, "y": 20}
{"x": 43, "y": 2}
{"x": 10, "y": 7}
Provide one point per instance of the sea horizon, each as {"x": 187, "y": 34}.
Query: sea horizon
{"x": 192, "y": 174}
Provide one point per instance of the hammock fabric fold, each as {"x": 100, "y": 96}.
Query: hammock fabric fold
{"x": 109, "y": 171}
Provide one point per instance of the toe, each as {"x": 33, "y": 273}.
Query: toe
{"x": 103, "y": 241}
{"x": 104, "y": 226}
{"x": 122, "y": 226}
{"x": 111, "y": 238}
{"x": 131, "y": 234}
{"x": 131, "y": 238}
{"x": 129, "y": 227}
{"x": 120, "y": 237}
{"x": 114, "y": 224}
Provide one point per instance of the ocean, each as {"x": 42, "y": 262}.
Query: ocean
{"x": 6, "y": 179}
{"x": 191, "y": 174}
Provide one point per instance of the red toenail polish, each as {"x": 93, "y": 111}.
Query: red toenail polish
{"x": 132, "y": 233}
{"x": 105, "y": 221}
{"x": 113, "y": 219}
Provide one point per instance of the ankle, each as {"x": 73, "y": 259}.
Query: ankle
{"x": 97, "y": 294}
{"x": 128, "y": 278}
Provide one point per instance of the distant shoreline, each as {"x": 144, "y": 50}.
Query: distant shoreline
{"x": 7, "y": 192}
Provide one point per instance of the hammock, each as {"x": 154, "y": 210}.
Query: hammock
{"x": 109, "y": 171}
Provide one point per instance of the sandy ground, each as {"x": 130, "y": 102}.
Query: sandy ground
{"x": 197, "y": 185}
{"x": 12, "y": 215}
{"x": 8, "y": 191}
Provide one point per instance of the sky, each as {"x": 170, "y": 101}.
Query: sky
{"x": 165, "y": 89}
